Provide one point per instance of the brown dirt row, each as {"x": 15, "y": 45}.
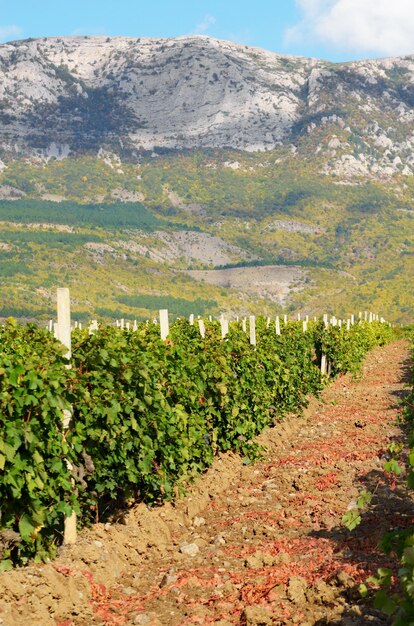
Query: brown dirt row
{"x": 252, "y": 545}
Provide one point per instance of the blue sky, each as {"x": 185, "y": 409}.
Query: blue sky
{"x": 330, "y": 29}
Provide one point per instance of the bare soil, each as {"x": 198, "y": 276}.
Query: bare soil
{"x": 274, "y": 282}
{"x": 251, "y": 545}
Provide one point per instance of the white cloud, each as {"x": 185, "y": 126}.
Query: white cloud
{"x": 375, "y": 26}
{"x": 204, "y": 25}
{"x": 9, "y": 32}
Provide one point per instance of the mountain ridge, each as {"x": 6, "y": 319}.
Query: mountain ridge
{"x": 65, "y": 96}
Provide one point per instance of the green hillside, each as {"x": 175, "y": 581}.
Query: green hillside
{"x": 353, "y": 239}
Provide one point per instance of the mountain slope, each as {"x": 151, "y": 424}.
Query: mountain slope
{"x": 61, "y": 96}
{"x": 134, "y": 169}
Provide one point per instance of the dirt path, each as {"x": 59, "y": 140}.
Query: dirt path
{"x": 251, "y": 545}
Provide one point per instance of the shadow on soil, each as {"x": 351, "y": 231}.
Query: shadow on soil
{"x": 391, "y": 509}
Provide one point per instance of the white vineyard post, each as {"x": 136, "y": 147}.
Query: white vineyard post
{"x": 304, "y": 326}
{"x": 191, "y": 319}
{"x": 127, "y": 325}
{"x": 370, "y": 318}
{"x": 64, "y": 336}
{"x": 224, "y": 326}
{"x": 202, "y": 328}
{"x": 352, "y": 319}
{"x": 268, "y": 322}
{"x": 135, "y": 326}
{"x": 252, "y": 330}
{"x": 117, "y": 323}
{"x": 307, "y": 319}
{"x": 298, "y": 317}
{"x": 348, "y": 324}
{"x": 285, "y": 319}
{"x": 93, "y": 326}
{"x": 164, "y": 324}
{"x": 210, "y": 319}
{"x": 277, "y": 325}
{"x": 340, "y": 323}
{"x": 365, "y": 315}
{"x": 244, "y": 325}
{"x": 55, "y": 330}
{"x": 323, "y": 356}
{"x": 50, "y": 326}
{"x": 80, "y": 326}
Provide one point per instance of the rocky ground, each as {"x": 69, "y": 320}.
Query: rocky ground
{"x": 273, "y": 282}
{"x": 250, "y": 545}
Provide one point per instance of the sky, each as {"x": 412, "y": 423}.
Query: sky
{"x": 337, "y": 30}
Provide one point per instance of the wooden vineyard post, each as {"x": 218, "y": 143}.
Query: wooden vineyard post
{"x": 164, "y": 324}
{"x": 64, "y": 336}
{"x": 252, "y": 330}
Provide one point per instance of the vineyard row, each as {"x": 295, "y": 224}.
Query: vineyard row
{"x": 112, "y": 417}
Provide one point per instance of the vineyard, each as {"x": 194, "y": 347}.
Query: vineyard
{"x": 147, "y": 415}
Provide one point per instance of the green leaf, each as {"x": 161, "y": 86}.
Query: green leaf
{"x": 26, "y": 528}
{"x": 6, "y": 565}
{"x": 351, "y": 519}
{"x": 383, "y": 602}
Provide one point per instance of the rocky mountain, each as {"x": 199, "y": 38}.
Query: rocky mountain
{"x": 76, "y": 95}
